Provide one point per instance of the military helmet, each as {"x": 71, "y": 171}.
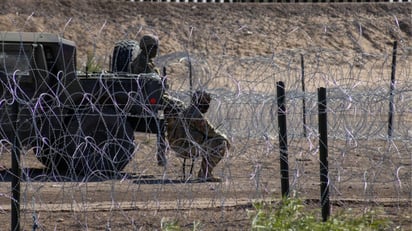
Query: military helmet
{"x": 148, "y": 41}
{"x": 201, "y": 97}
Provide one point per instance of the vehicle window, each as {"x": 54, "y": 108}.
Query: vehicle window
{"x": 15, "y": 59}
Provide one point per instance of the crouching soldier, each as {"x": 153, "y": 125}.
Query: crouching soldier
{"x": 191, "y": 135}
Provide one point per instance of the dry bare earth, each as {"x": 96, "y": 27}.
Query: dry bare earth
{"x": 241, "y": 30}
{"x": 214, "y": 32}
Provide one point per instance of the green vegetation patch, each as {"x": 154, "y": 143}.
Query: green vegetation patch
{"x": 291, "y": 214}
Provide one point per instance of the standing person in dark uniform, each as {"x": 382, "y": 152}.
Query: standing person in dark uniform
{"x": 149, "y": 45}
{"x": 143, "y": 63}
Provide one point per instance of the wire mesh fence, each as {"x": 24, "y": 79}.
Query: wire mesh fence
{"x": 66, "y": 139}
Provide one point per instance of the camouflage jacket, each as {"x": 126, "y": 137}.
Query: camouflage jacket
{"x": 187, "y": 126}
{"x": 143, "y": 64}
{"x": 199, "y": 127}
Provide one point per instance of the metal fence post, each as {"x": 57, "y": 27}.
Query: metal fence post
{"x": 16, "y": 173}
{"x": 303, "y": 91}
{"x": 323, "y": 153}
{"x": 283, "y": 140}
{"x": 391, "y": 91}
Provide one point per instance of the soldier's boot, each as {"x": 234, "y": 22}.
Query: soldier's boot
{"x": 218, "y": 150}
{"x": 208, "y": 164}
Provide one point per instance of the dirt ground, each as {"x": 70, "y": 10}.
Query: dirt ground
{"x": 242, "y": 30}
{"x": 147, "y": 195}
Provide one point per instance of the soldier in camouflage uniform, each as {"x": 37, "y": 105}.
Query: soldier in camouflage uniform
{"x": 149, "y": 45}
{"x": 191, "y": 135}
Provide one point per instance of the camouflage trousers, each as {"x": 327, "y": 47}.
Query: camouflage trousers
{"x": 211, "y": 150}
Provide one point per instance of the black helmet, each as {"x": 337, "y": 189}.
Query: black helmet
{"x": 201, "y": 99}
{"x": 148, "y": 41}
{"x": 149, "y": 45}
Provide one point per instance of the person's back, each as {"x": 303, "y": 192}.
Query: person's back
{"x": 191, "y": 135}
{"x": 200, "y": 127}
{"x": 176, "y": 128}
{"x": 212, "y": 143}
{"x": 149, "y": 45}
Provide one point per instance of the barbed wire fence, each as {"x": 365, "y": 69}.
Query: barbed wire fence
{"x": 365, "y": 165}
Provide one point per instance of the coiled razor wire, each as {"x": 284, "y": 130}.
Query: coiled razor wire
{"x": 365, "y": 164}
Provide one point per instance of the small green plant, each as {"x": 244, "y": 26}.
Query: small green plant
{"x": 91, "y": 63}
{"x": 172, "y": 225}
{"x": 169, "y": 225}
{"x": 290, "y": 214}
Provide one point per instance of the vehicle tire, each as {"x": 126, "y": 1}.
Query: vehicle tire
{"x": 124, "y": 52}
{"x": 48, "y": 133}
{"x": 48, "y": 147}
{"x": 101, "y": 144}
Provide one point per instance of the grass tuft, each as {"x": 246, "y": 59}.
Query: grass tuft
{"x": 291, "y": 214}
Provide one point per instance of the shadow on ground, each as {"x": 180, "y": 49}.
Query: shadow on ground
{"x": 43, "y": 175}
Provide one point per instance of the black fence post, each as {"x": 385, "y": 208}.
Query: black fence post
{"x": 303, "y": 91}
{"x": 16, "y": 173}
{"x": 189, "y": 66}
{"x": 391, "y": 91}
{"x": 283, "y": 140}
{"x": 323, "y": 153}
{"x": 161, "y": 133}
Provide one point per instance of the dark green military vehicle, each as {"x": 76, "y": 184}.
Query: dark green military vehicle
{"x": 75, "y": 122}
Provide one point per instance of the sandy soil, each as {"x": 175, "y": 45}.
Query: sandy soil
{"x": 146, "y": 193}
{"x": 240, "y": 30}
